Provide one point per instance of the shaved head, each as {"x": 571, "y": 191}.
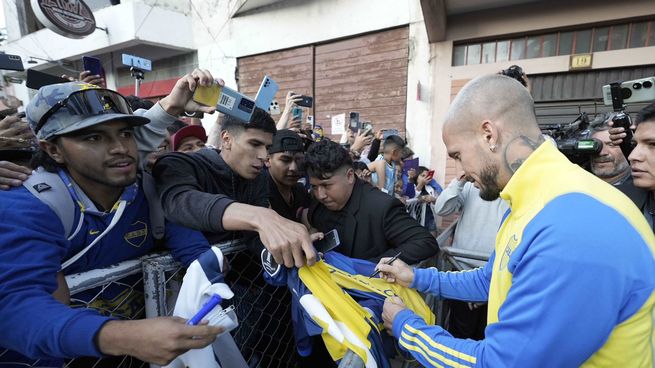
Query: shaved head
{"x": 490, "y": 129}
{"x": 492, "y": 97}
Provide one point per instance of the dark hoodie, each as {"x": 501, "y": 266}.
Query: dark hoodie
{"x": 196, "y": 188}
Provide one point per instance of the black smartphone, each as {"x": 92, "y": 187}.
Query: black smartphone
{"x": 354, "y": 123}
{"x": 11, "y": 62}
{"x": 306, "y": 101}
{"x": 330, "y": 241}
{"x": 36, "y": 79}
{"x": 93, "y": 65}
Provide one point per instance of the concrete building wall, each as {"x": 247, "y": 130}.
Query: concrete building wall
{"x": 131, "y": 23}
{"x": 519, "y": 20}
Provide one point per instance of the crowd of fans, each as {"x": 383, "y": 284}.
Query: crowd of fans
{"x": 88, "y": 177}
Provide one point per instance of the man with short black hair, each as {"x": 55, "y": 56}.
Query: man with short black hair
{"x": 370, "y": 224}
{"x": 285, "y": 164}
{"x": 642, "y": 163}
{"x": 222, "y": 192}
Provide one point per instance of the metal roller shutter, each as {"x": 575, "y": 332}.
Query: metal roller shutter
{"x": 559, "y": 98}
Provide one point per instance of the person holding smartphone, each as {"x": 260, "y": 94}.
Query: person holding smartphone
{"x": 428, "y": 195}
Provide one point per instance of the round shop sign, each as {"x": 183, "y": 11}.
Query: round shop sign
{"x": 69, "y": 18}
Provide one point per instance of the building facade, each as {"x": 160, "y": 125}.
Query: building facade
{"x": 159, "y": 30}
{"x": 397, "y": 63}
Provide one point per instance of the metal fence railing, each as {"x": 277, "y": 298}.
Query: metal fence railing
{"x": 115, "y": 291}
{"x": 451, "y": 259}
{"x": 148, "y": 287}
{"x": 417, "y": 210}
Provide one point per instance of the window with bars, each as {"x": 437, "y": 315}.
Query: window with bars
{"x": 601, "y": 38}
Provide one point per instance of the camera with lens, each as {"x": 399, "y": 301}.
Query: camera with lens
{"x": 515, "y": 72}
{"x": 574, "y": 140}
{"x": 618, "y": 94}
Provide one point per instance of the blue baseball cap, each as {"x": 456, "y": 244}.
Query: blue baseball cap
{"x": 59, "y": 109}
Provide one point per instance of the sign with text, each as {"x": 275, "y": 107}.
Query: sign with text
{"x": 581, "y": 61}
{"x": 339, "y": 124}
{"x": 69, "y": 18}
{"x": 137, "y": 62}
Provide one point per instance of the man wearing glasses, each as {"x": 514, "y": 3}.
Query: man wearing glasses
{"x": 82, "y": 209}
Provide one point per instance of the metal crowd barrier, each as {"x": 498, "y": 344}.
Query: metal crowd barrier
{"x": 148, "y": 287}
{"x": 450, "y": 259}
{"x": 417, "y": 210}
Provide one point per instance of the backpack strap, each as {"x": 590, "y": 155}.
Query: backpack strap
{"x": 51, "y": 190}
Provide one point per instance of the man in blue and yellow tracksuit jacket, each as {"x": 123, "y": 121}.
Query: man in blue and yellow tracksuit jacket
{"x": 571, "y": 282}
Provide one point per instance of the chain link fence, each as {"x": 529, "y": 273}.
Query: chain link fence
{"x": 113, "y": 291}
{"x": 148, "y": 287}
{"x": 265, "y": 334}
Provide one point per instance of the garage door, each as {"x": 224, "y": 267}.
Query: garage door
{"x": 561, "y": 97}
{"x": 366, "y": 73}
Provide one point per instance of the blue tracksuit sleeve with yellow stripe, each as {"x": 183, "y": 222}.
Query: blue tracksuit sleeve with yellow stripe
{"x": 468, "y": 286}
{"x": 562, "y": 307}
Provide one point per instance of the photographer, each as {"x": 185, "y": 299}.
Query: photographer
{"x": 610, "y": 164}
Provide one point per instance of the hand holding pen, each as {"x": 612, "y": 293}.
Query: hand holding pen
{"x": 395, "y": 270}
{"x": 388, "y": 262}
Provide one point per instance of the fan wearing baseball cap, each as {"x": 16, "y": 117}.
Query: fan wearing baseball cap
{"x": 191, "y": 138}
{"x": 82, "y": 208}
{"x": 285, "y": 165}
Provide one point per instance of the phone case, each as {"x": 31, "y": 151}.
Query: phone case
{"x": 36, "y": 79}
{"x": 323, "y": 247}
{"x": 306, "y": 101}
{"x": 92, "y": 64}
{"x": 11, "y": 62}
{"x": 354, "y": 124}
{"x": 235, "y": 104}
{"x": 207, "y": 96}
{"x": 266, "y": 93}
{"x": 297, "y": 113}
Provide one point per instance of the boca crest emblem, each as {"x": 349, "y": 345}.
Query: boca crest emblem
{"x": 136, "y": 234}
